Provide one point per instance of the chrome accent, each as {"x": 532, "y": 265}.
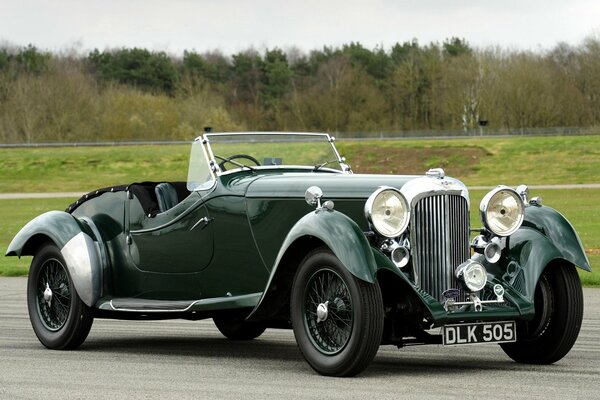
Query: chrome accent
{"x": 465, "y": 273}
{"x": 536, "y": 201}
{"x": 48, "y": 295}
{"x": 422, "y": 187}
{"x": 523, "y": 192}
{"x": 435, "y": 173}
{"x": 322, "y": 311}
{"x": 499, "y": 292}
{"x": 490, "y": 248}
{"x": 328, "y": 205}
{"x": 475, "y": 301}
{"x": 85, "y": 267}
{"x": 483, "y": 208}
{"x": 493, "y": 250}
{"x": 399, "y": 253}
{"x": 313, "y": 196}
{"x": 368, "y": 209}
{"x": 479, "y": 243}
{"x": 439, "y": 237}
{"x": 203, "y": 220}
{"x": 400, "y": 256}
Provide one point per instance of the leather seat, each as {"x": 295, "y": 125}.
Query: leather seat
{"x": 166, "y": 196}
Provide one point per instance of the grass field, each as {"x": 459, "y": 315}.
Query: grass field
{"x": 477, "y": 161}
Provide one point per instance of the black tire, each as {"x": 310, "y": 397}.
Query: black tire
{"x": 347, "y": 340}
{"x": 63, "y": 322}
{"x": 558, "y": 314}
{"x": 238, "y": 329}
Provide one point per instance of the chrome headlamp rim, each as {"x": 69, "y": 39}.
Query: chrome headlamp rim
{"x": 405, "y": 215}
{"x": 484, "y": 206}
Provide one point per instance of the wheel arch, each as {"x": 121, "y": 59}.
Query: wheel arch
{"x": 330, "y": 229}
{"x": 79, "y": 243}
{"x": 559, "y": 233}
{"x": 533, "y": 251}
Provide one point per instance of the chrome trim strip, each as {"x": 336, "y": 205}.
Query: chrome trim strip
{"x": 201, "y": 302}
{"x": 144, "y": 310}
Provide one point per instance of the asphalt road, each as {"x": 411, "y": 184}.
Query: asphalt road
{"x": 191, "y": 360}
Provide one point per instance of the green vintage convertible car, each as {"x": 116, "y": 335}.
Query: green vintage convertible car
{"x": 273, "y": 230}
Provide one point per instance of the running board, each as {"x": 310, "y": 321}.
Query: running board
{"x": 129, "y": 304}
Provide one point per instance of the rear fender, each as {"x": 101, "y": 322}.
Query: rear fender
{"x": 78, "y": 241}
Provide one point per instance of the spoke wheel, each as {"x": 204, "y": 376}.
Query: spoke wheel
{"x": 552, "y": 332}
{"x": 337, "y": 318}
{"x": 59, "y": 318}
{"x": 328, "y": 315}
{"x": 53, "y": 295}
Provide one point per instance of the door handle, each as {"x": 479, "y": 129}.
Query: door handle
{"x": 204, "y": 221}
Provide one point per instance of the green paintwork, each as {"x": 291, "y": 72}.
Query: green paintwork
{"x": 341, "y": 235}
{"x": 559, "y": 232}
{"x": 544, "y": 237}
{"x": 58, "y": 226}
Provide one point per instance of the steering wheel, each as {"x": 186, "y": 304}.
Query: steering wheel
{"x": 236, "y": 156}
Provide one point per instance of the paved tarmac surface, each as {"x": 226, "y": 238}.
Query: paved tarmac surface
{"x": 191, "y": 360}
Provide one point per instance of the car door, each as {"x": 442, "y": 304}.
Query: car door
{"x": 178, "y": 241}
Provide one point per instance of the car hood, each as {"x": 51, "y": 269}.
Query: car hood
{"x": 333, "y": 185}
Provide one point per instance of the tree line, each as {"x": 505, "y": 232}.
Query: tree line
{"x": 134, "y": 93}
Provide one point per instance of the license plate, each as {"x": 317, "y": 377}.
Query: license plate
{"x": 479, "y": 332}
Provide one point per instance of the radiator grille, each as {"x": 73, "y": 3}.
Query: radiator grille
{"x": 440, "y": 241}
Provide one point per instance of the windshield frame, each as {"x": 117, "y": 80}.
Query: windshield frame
{"x": 212, "y": 161}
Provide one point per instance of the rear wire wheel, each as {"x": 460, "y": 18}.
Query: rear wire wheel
{"x": 552, "y": 332}
{"x": 337, "y": 318}
{"x": 59, "y": 318}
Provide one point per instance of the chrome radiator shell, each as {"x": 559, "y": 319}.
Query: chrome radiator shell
{"x": 439, "y": 236}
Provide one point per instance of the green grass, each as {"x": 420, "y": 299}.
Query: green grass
{"x": 83, "y": 169}
{"x": 476, "y": 161}
{"x": 511, "y": 161}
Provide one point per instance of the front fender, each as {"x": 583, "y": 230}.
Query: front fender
{"x": 342, "y": 235}
{"x": 77, "y": 245}
{"x": 338, "y": 232}
{"x": 545, "y": 237}
{"x": 559, "y": 232}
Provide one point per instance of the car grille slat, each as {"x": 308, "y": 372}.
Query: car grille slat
{"x": 440, "y": 237}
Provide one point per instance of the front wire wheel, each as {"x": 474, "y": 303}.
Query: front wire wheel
{"x": 59, "y": 318}
{"x": 337, "y": 318}
{"x": 549, "y": 336}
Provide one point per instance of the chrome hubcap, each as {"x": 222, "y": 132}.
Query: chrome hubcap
{"x": 48, "y": 295}
{"x": 322, "y": 311}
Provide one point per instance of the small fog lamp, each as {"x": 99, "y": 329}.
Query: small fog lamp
{"x": 472, "y": 274}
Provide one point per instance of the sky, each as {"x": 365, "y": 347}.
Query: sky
{"x": 235, "y": 25}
